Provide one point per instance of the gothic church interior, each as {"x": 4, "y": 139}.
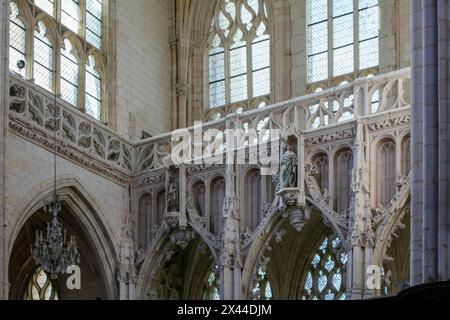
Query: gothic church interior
{"x": 348, "y": 97}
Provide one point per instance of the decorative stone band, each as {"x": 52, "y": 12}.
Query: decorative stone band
{"x": 324, "y": 118}
{"x": 34, "y": 116}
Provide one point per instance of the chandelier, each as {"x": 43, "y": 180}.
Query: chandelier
{"x": 52, "y": 252}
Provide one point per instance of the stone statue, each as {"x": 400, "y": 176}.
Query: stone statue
{"x": 172, "y": 195}
{"x": 289, "y": 164}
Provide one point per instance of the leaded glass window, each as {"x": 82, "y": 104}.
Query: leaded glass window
{"x": 94, "y": 11}
{"x": 70, "y": 14}
{"x": 342, "y": 37}
{"x": 69, "y": 74}
{"x": 211, "y": 291}
{"x": 64, "y": 36}
{"x": 17, "y": 40}
{"x": 93, "y": 90}
{"x": 47, "y": 5}
{"x": 43, "y": 58}
{"x": 40, "y": 287}
{"x": 239, "y": 54}
{"x": 325, "y": 278}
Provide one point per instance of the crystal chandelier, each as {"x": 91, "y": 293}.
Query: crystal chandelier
{"x": 52, "y": 252}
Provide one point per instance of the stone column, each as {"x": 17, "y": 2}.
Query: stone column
{"x": 416, "y": 142}
{"x": 4, "y": 94}
{"x": 430, "y": 156}
{"x": 230, "y": 256}
{"x": 361, "y": 241}
{"x": 126, "y": 271}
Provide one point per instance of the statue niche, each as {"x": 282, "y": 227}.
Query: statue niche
{"x": 288, "y": 184}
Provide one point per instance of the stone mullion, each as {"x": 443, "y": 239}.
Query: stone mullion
{"x": 82, "y": 82}
{"x": 330, "y": 42}
{"x": 355, "y": 35}
{"x": 226, "y": 55}
{"x": 81, "y": 99}
{"x": 29, "y": 46}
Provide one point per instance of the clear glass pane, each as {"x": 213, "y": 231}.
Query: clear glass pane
{"x": 70, "y": 14}
{"x": 318, "y": 38}
{"x": 318, "y": 67}
{"x": 43, "y": 59}
{"x": 16, "y": 40}
{"x": 238, "y": 61}
{"x": 95, "y": 8}
{"x": 93, "y": 90}
{"x": 261, "y": 82}
{"x": 368, "y": 54}
{"x": 46, "y": 5}
{"x": 217, "y": 94}
{"x": 316, "y": 11}
{"x": 238, "y": 88}
{"x": 368, "y": 23}
{"x": 93, "y": 39}
{"x": 69, "y": 92}
{"x": 43, "y": 77}
{"x": 216, "y": 67}
{"x": 41, "y": 278}
{"x": 343, "y": 60}
{"x": 341, "y": 7}
{"x": 367, "y": 3}
{"x": 69, "y": 75}
{"x": 342, "y": 31}
{"x": 94, "y": 22}
{"x": 261, "y": 55}
{"x": 93, "y": 107}
{"x": 93, "y": 85}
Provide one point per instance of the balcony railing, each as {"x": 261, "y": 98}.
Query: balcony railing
{"x": 332, "y": 108}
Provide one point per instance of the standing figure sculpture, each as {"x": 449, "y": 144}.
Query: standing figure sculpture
{"x": 172, "y": 195}
{"x": 289, "y": 164}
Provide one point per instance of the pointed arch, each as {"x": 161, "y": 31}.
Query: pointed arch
{"x": 84, "y": 213}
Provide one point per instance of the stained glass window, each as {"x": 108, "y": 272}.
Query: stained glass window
{"x": 43, "y": 58}
{"x": 326, "y": 62}
{"x": 325, "y": 277}
{"x": 40, "y": 287}
{"x": 69, "y": 74}
{"x": 211, "y": 291}
{"x": 239, "y": 56}
{"x": 93, "y": 90}
{"x": 17, "y": 40}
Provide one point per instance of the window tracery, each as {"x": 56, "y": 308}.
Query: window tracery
{"x": 326, "y": 271}
{"x": 40, "y": 287}
{"x": 239, "y": 53}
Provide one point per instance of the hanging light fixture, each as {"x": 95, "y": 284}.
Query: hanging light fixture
{"x": 52, "y": 252}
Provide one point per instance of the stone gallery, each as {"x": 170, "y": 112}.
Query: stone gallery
{"x": 223, "y": 149}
